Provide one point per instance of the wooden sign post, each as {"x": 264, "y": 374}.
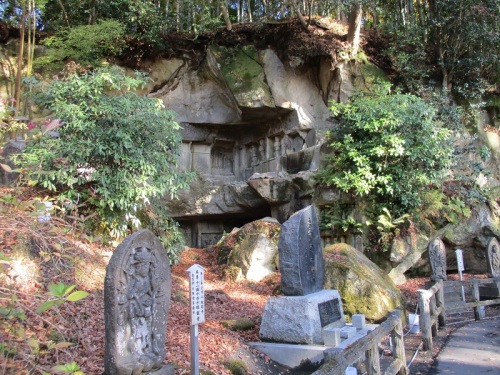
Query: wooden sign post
{"x": 197, "y": 304}
{"x": 460, "y": 266}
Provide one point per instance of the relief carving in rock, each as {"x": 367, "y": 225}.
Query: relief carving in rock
{"x": 137, "y": 295}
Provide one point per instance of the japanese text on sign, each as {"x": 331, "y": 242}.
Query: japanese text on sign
{"x": 197, "y": 296}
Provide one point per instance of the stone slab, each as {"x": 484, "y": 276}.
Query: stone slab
{"x": 301, "y": 254}
{"x": 300, "y": 319}
{"x": 292, "y": 356}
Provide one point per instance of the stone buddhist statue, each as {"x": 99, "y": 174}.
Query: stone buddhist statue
{"x": 437, "y": 258}
{"x": 493, "y": 257}
{"x": 136, "y": 302}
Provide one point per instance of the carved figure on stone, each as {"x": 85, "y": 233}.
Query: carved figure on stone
{"x": 437, "y": 258}
{"x": 277, "y": 147}
{"x": 262, "y": 150}
{"x": 254, "y": 159}
{"x": 493, "y": 257}
{"x": 137, "y": 296}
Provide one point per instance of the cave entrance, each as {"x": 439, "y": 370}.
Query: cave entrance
{"x": 202, "y": 232}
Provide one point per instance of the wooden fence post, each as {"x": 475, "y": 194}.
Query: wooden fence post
{"x": 398, "y": 340}
{"x": 425, "y": 318}
{"x": 440, "y": 304}
{"x": 476, "y": 298}
{"x": 372, "y": 361}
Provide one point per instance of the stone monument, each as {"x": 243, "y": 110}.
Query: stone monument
{"x": 437, "y": 258}
{"x": 137, "y": 291}
{"x": 306, "y": 309}
{"x": 493, "y": 257}
{"x": 492, "y": 290}
{"x": 301, "y": 254}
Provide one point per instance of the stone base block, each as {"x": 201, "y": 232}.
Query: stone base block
{"x": 331, "y": 336}
{"x": 300, "y": 319}
{"x": 292, "y": 356}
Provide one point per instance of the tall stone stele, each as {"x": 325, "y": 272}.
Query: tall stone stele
{"x": 305, "y": 309}
{"x": 301, "y": 254}
{"x": 437, "y": 258}
{"x": 137, "y": 292}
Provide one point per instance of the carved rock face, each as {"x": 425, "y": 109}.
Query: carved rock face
{"x": 136, "y": 301}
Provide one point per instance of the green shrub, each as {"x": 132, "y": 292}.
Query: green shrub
{"x": 388, "y": 148}
{"x": 86, "y": 45}
{"x": 113, "y": 152}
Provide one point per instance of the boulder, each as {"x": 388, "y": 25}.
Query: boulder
{"x": 202, "y": 198}
{"x": 253, "y": 249}
{"x": 472, "y": 236}
{"x": 363, "y": 286}
{"x": 406, "y": 252}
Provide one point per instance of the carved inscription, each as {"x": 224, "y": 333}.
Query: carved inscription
{"x": 329, "y": 312}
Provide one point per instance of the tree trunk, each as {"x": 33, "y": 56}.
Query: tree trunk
{"x": 31, "y": 36}
{"x": 92, "y": 12}
{"x": 249, "y": 11}
{"x": 353, "y": 33}
{"x": 17, "y": 87}
{"x": 177, "y": 17}
{"x": 163, "y": 8}
{"x": 64, "y": 13}
{"x": 296, "y": 9}
{"x": 225, "y": 14}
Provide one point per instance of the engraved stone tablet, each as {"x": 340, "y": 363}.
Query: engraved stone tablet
{"x": 297, "y": 319}
{"x": 329, "y": 312}
{"x": 301, "y": 254}
{"x": 137, "y": 291}
{"x": 493, "y": 257}
{"x": 437, "y": 258}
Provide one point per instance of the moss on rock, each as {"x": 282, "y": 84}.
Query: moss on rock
{"x": 244, "y": 74}
{"x": 363, "y": 286}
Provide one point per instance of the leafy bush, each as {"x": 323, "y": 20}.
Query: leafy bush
{"x": 86, "y": 44}
{"x": 111, "y": 151}
{"x": 389, "y": 148}
{"x": 143, "y": 20}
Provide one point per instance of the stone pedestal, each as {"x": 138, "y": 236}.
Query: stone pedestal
{"x": 300, "y": 319}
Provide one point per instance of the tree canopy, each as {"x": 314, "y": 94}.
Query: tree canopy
{"x": 459, "y": 40}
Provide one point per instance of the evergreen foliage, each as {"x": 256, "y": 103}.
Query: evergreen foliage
{"x": 388, "y": 148}
{"x": 86, "y": 44}
{"x": 113, "y": 152}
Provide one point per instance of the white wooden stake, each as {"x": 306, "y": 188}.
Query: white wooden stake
{"x": 460, "y": 266}
{"x": 197, "y": 306}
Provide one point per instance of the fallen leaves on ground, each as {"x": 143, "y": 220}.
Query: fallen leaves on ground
{"x": 35, "y": 255}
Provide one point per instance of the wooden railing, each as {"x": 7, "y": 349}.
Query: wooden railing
{"x": 433, "y": 309}
{"x": 432, "y": 312}
{"x": 338, "y": 359}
